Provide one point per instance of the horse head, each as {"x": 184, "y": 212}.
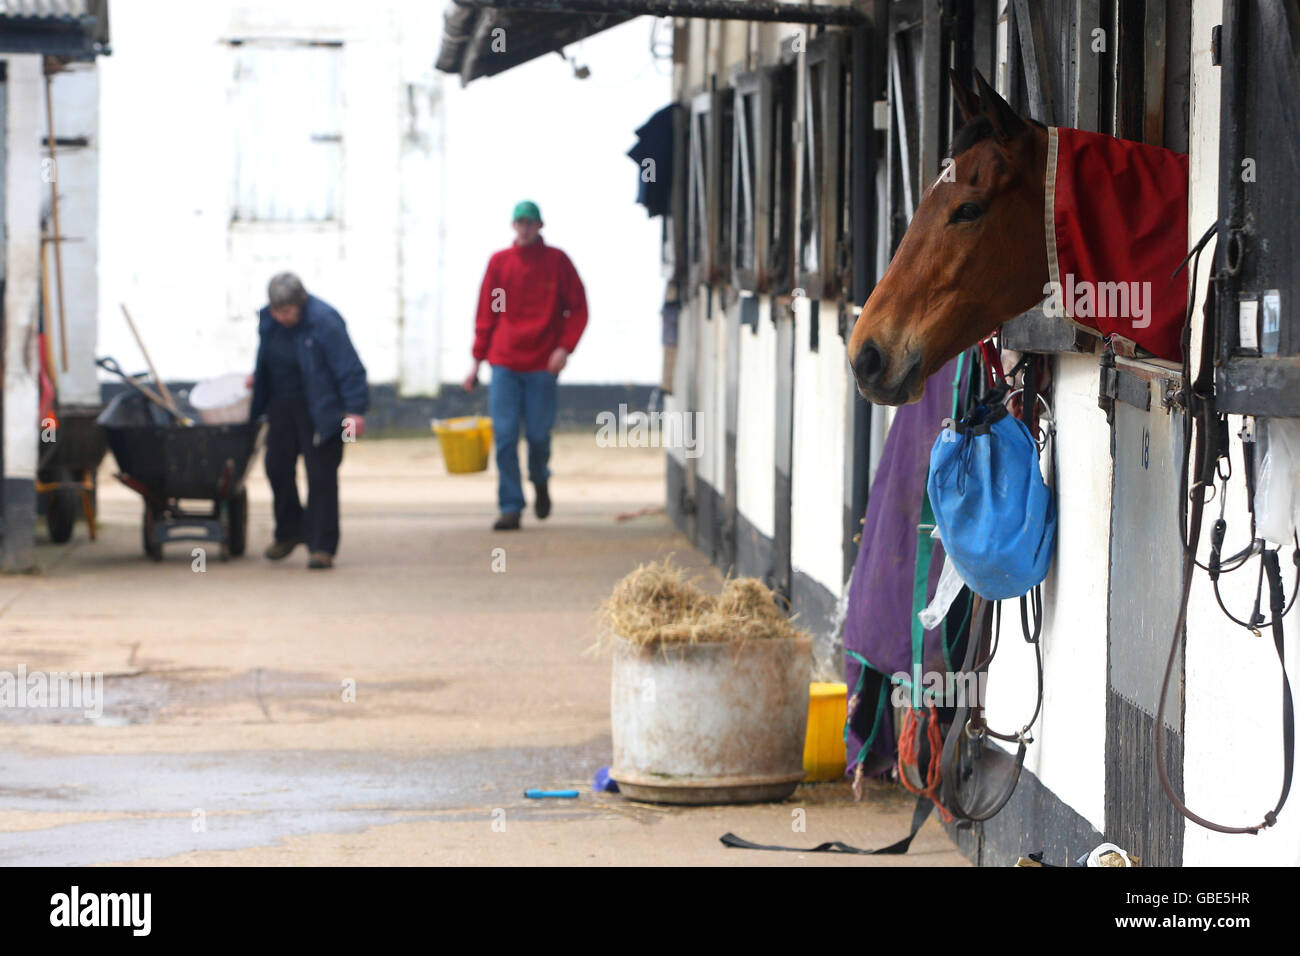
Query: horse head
{"x": 973, "y": 256}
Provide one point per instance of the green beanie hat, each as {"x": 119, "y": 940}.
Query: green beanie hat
{"x": 526, "y": 210}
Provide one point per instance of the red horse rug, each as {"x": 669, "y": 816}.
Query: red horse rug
{"x": 1116, "y": 217}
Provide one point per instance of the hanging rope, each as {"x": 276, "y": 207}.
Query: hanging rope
{"x": 909, "y": 748}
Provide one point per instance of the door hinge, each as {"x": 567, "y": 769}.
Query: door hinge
{"x": 1115, "y": 384}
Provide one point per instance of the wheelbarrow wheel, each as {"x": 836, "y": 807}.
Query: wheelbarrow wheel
{"x": 235, "y": 523}
{"x": 152, "y": 548}
{"x": 61, "y": 514}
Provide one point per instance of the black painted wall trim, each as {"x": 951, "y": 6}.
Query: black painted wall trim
{"x": 1139, "y": 817}
{"x": 1034, "y": 820}
{"x": 753, "y": 551}
{"x": 18, "y": 534}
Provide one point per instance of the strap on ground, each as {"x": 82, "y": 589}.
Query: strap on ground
{"x": 919, "y": 816}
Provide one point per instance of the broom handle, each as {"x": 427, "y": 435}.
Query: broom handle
{"x": 46, "y": 358}
{"x": 162, "y": 386}
{"x": 54, "y": 212}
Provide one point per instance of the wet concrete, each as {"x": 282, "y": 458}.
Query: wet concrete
{"x": 250, "y": 800}
{"x": 391, "y": 711}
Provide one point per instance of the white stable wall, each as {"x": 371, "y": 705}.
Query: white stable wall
{"x": 75, "y": 93}
{"x": 710, "y": 385}
{"x": 1069, "y": 749}
{"x": 24, "y": 108}
{"x": 820, "y": 443}
{"x": 192, "y": 277}
{"x": 756, "y": 423}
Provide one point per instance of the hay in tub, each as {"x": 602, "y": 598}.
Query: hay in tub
{"x": 656, "y": 606}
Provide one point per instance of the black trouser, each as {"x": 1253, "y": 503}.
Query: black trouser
{"x": 289, "y": 433}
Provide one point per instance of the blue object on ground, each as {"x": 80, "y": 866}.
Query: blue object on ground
{"x": 602, "y": 782}
{"x": 534, "y": 794}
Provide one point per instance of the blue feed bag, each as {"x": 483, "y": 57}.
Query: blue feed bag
{"x": 996, "y": 515}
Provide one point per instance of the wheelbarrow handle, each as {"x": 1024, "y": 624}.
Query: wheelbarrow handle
{"x": 109, "y": 364}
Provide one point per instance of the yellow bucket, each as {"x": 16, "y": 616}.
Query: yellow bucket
{"x": 466, "y": 442}
{"x": 823, "y": 751}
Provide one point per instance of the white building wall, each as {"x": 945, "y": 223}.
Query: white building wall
{"x": 681, "y": 400}
{"x": 756, "y": 423}
{"x": 423, "y": 197}
{"x": 191, "y": 277}
{"x": 820, "y": 444}
{"x": 24, "y": 190}
{"x": 165, "y": 200}
{"x": 75, "y": 94}
{"x": 709, "y": 384}
{"x": 717, "y": 333}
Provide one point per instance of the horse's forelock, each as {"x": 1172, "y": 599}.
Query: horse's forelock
{"x": 976, "y": 131}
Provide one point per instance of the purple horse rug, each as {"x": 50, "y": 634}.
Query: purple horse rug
{"x": 878, "y": 627}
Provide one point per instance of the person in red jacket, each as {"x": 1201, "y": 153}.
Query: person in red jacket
{"x": 532, "y": 309}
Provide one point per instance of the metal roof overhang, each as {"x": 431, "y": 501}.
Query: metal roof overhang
{"x": 470, "y": 31}
{"x": 537, "y": 27}
{"x": 71, "y": 29}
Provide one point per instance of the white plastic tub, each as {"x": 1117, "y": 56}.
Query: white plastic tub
{"x": 710, "y": 722}
{"x": 224, "y": 400}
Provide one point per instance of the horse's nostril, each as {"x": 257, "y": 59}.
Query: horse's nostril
{"x": 869, "y": 363}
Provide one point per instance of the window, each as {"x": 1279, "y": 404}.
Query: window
{"x": 840, "y": 198}
{"x": 708, "y": 226}
{"x": 810, "y": 177}
{"x": 725, "y": 124}
{"x": 779, "y": 179}
{"x": 823, "y": 196}
{"x": 760, "y": 204}
{"x": 745, "y": 149}
{"x": 288, "y": 122}
{"x": 699, "y": 222}
{"x": 673, "y": 249}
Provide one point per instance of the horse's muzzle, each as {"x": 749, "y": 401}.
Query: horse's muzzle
{"x": 887, "y": 382}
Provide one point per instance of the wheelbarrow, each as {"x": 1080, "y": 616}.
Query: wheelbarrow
{"x": 167, "y": 462}
{"x": 68, "y": 456}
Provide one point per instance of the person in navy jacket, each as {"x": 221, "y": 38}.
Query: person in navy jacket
{"x": 311, "y": 386}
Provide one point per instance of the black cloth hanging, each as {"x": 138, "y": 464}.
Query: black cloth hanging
{"x": 655, "y": 143}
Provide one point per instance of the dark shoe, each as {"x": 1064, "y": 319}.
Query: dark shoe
{"x": 279, "y": 550}
{"x": 542, "y": 502}
{"x": 319, "y": 560}
{"x": 509, "y": 521}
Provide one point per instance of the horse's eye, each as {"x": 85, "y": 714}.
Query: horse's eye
{"x": 966, "y": 212}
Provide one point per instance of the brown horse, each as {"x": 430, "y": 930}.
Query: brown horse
{"x": 974, "y": 255}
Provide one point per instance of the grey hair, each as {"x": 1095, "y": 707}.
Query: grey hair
{"x": 286, "y": 289}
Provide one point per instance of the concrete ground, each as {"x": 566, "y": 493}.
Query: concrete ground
{"x": 229, "y": 734}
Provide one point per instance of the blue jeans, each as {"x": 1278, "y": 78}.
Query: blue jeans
{"x": 516, "y": 396}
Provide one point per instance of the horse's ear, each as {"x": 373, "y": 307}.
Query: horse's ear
{"x": 968, "y": 104}
{"x": 1007, "y": 123}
